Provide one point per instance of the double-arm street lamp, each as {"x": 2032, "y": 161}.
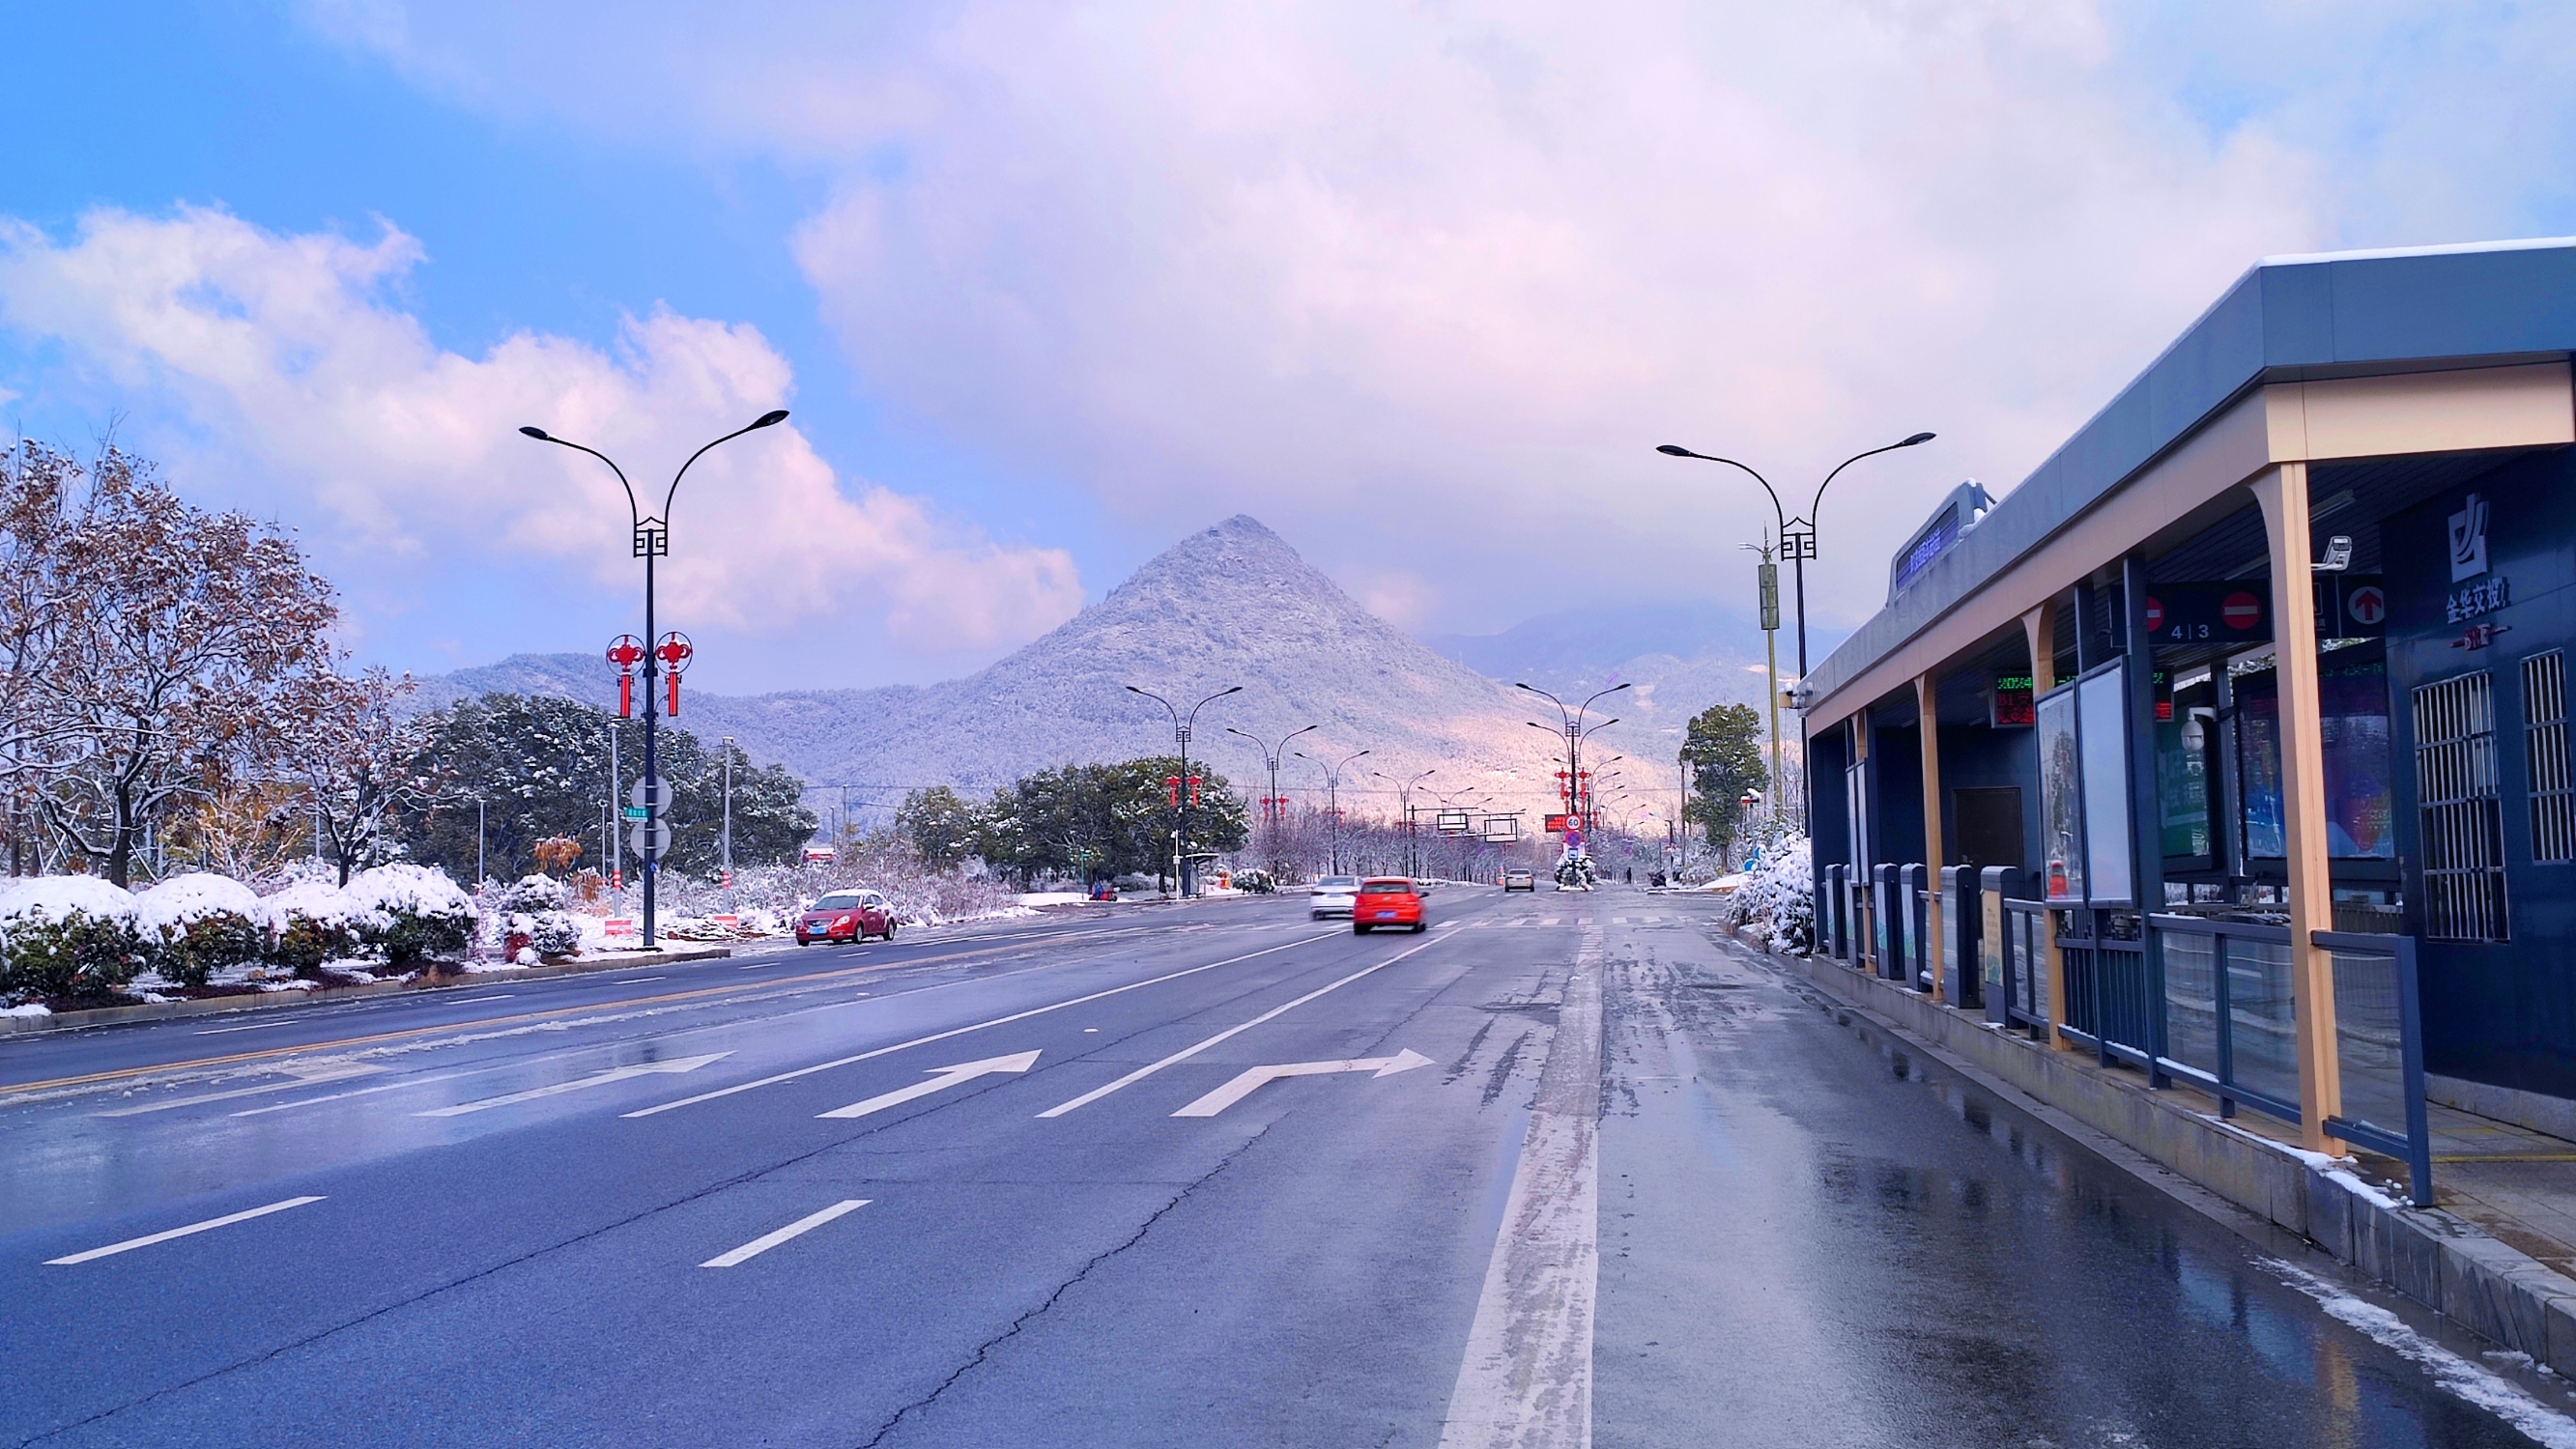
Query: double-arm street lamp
{"x": 1797, "y": 535}
{"x": 1404, "y": 797}
{"x": 1182, "y": 795}
{"x": 1574, "y": 730}
{"x": 653, "y": 540}
{"x": 1272, "y": 804}
{"x": 1333, "y": 798}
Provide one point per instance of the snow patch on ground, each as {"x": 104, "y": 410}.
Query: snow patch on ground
{"x": 2457, "y": 1376}
{"x": 32, "y": 1008}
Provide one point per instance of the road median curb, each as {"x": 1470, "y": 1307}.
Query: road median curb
{"x": 289, "y": 1000}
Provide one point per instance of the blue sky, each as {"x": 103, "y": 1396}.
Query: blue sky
{"x": 1047, "y": 287}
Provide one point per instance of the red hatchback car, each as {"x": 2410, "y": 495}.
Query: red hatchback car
{"x": 1392, "y": 903}
{"x": 846, "y": 916}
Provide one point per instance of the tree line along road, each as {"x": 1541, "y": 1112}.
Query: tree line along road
{"x": 1566, "y": 1169}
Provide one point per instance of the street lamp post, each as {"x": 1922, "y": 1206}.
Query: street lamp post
{"x": 1575, "y": 730}
{"x": 1769, "y": 600}
{"x": 1332, "y": 799}
{"x": 1412, "y": 837}
{"x": 728, "y": 822}
{"x": 1272, "y": 804}
{"x": 652, "y": 539}
{"x": 1181, "y": 736}
{"x": 1797, "y": 535}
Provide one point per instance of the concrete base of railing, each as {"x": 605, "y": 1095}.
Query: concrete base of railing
{"x": 2433, "y": 1257}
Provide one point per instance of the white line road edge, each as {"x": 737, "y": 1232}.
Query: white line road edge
{"x": 1253, "y": 1079}
{"x": 1526, "y": 1379}
{"x": 1185, "y": 1053}
{"x": 148, "y": 1239}
{"x": 963, "y": 1030}
{"x": 798, "y": 1228}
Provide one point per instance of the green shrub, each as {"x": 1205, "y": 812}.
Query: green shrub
{"x": 74, "y": 954}
{"x": 192, "y": 951}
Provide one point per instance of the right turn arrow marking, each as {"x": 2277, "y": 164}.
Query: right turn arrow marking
{"x": 1253, "y": 1078}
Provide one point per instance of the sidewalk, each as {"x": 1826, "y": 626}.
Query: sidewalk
{"x": 2497, "y": 1255}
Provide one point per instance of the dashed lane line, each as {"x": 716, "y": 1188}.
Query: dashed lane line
{"x": 148, "y": 1239}
{"x": 798, "y": 1228}
{"x": 978, "y": 1026}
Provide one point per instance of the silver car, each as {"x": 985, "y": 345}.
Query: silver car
{"x": 1332, "y": 895}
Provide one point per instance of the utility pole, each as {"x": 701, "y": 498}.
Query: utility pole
{"x": 728, "y": 821}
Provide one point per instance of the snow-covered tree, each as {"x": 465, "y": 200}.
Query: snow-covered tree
{"x": 175, "y": 642}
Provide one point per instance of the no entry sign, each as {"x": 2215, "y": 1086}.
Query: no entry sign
{"x": 2240, "y": 611}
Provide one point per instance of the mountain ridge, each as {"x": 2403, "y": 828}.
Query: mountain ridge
{"x": 1232, "y": 604}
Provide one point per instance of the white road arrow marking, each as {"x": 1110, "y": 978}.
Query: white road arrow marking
{"x": 614, "y": 1074}
{"x": 941, "y": 1079}
{"x": 1252, "y": 1080}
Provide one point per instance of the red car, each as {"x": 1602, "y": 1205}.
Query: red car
{"x": 846, "y": 916}
{"x": 1392, "y": 902}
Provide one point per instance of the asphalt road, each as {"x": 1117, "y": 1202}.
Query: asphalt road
{"x": 1563, "y": 1169}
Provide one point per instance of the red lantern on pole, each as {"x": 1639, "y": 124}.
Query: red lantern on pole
{"x": 626, "y": 652}
{"x": 1172, "y": 790}
{"x": 674, "y": 653}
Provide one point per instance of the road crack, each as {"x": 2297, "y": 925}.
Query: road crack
{"x": 984, "y": 1351}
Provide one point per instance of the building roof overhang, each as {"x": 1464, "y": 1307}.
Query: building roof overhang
{"x": 2344, "y": 355}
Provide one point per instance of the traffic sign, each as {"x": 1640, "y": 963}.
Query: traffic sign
{"x": 637, "y": 812}
{"x": 653, "y": 794}
{"x": 650, "y": 837}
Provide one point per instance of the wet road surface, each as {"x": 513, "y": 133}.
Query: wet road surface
{"x": 1564, "y": 1169}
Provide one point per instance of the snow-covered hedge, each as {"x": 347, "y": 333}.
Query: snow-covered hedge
{"x": 1779, "y": 894}
{"x": 413, "y": 911}
{"x": 67, "y": 935}
{"x": 197, "y": 924}
{"x": 314, "y": 921}
{"x": 555, "y": 934}
{"x": 532, "y": 895}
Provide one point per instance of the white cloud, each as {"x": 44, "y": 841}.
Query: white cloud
{"x": 285, "y": 354}
{"x": 1448, "y": 272}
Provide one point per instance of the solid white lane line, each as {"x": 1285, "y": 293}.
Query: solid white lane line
{"x": 147, "y": 1240}
{"x": 1526, "y": 1379}
{"x": 254, "y": 1026}
{"x": 767, "y": 1241}
{"x": 978, "y": 1026}
{"x": 1185, "y": 1053}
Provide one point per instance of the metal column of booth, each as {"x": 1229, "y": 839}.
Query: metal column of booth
{"x": 1963, "y": 917}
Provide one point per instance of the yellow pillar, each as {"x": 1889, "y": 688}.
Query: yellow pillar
{"x": 1928, "y": 726}
{"x": 2039, "y": 626}
{"x": 2283, "y": 493}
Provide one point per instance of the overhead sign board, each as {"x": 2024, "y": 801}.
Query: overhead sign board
{"x": 1558, "y": 824}
{"x": 1452, "y": 822}
{"x": 1502, "y": 829}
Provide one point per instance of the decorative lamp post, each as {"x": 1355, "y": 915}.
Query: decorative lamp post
{"x": 1333, "y": 799}
{"x": 1185, "y": 791}
{"x": 652, "y": 540}
{"x": 1404, "y": 797}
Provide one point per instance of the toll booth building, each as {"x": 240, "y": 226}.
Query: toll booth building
{"x": 2232, "y": 744}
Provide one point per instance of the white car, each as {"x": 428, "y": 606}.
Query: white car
{"x": 1332, "y": 895}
